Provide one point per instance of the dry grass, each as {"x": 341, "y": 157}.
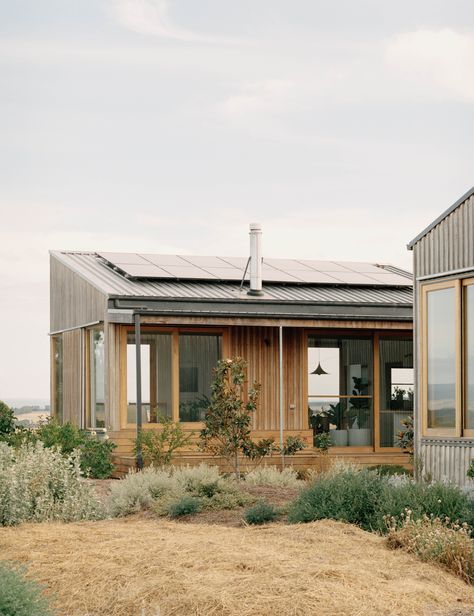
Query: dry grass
{"x": 118, "y": 567}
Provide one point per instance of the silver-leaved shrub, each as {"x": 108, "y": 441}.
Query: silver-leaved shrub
{"x": 39, "y": 484}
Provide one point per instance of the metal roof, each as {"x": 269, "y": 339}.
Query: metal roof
{"x": 90, "y": 266}
{"x": 145, "y": 266}
{"x": 440, "y": 218}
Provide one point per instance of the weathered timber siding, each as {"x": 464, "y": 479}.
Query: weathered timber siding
{"x": 448, "y": 247}
{"x": 73, "y": 377}
{"x": 73, "y": 301}
{"x": 259, "y": 347}
{"x": 112, "y": 376}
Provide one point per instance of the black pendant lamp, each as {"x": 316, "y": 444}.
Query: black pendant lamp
{"x": 319, "y": 370}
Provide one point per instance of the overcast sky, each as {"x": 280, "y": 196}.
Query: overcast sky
{"x": 343, "y": 126}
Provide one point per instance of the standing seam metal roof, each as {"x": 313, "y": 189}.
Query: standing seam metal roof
{"x": 89, "y": 266}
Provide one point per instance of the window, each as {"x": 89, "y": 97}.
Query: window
{"x": 176, "y": 374}
{"x": 97, "y": 378}
{"x": 441, "y": 360}
{"x": 396, "y": 387}
{"x": 340, "y": 389}
{"x": 198, "y": 355}
{"x": 57, "y": 377}
{"x": 469, "y": 356}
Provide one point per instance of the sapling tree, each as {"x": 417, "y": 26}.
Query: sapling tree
{"x": 228, "y": 419}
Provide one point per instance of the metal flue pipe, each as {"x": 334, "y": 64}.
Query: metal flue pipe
{"x": 255, "y": 259}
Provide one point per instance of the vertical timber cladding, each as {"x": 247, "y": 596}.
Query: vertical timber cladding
{"x": 259, "y": 347}
{"x": 113, "y": 377}
{"x": 72, "y": 376}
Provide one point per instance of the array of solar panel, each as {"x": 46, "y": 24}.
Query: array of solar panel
{"x": 302, "y": 271}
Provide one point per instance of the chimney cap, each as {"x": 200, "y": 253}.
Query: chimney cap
{"x": 255, "y": 226}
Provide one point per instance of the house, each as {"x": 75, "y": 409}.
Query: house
{"x": 443, "y": 257}
{"x": 329, "y": 342}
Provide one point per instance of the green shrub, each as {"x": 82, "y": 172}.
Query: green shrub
{"x": 66, "y": 437}
{"x": 272, "y": 476}
{"x": 470, "y": 470}
{"x": 96, "y": 457}
{"x": 360, "y": 496}
{"x": 39, "y": 484}
{"x": 349, "y": 496}
{"x": 438, "y": 500}
{"x": 20, "y": 596}
{"x": 261, "y": 513}
{"x": 158, "y": 446}
{"x": 186, "y": 505}
{"x": 433, "y": 540}
{"x": 389, "y": 469}
{"x": 7, "y": 420}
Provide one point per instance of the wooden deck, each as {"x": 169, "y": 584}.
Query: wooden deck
{"x": 309, "y": 458}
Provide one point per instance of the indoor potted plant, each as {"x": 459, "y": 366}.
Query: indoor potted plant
{"x": 360, "y": 433}
{"x": 339, "y": 435}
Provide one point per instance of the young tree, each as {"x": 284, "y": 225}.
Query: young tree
{"x": 7, "y": 420}
{"x": 227, "y": 422}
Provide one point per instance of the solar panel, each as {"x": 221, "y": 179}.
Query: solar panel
{"x": 143, "y": 270}
{"x": 156, "y": 266}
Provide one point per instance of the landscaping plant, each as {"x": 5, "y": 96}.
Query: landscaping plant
{"x": 186, "y": 505}
{"x": 272, "y": 476}
{"x": 436, "y": 540}
{"x": 7, "y": 421}
{"x": 20, "y": 596}
{"x": 158, "y": 446}
{"x": 39, "y": 484}
{"x": 261, "y": 513}
{"x": 228, "y": 419}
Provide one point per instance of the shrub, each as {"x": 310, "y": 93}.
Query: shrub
{"x": 39, "y": 484}
{"x": 160, "y": 488}
{"x": 433, "y": 540}
{"x": 272, "y": 476}
{"x": 158, "y": 447}
{"x": 7, "y": 420}
{"x": 261, "y": 513}
{"x": 470, "y": 470}
{"x": 362, "y": 497}
{"x": 96, "y": 457}
{"x": 66, "y": 437}
{"x": 292, "y": 445}
{"x": 20, "y": 596}
{"x": 349, "y": 496}
{"x": 389, "y": 469}
{"x": 186, "y": 505}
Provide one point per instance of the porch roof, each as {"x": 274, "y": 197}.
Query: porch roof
{"x": 389, "y": 299}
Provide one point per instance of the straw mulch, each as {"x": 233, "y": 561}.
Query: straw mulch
{"x": 143, "y": 567}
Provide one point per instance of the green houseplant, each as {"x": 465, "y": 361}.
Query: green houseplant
{"x": 360, "y": 433}
{"x": 337, "y": 417}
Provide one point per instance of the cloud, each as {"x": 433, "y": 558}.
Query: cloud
{"x": 437, "y": 61}
{"x": 257, "y": 97}
{"x": 151, "y": 17}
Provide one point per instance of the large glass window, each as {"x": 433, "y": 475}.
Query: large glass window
{"x": 396, "y": 387}
{"x": 97, "y": 376}
{"x": 58, "y": 377}
{"x": 469, "y": 357}
{"x": 340, "y": 386}
{"x": 156, "y": 367}
{"x": 441, "y": 358}
{"x": 198, "y": 356}
{"x": 192, "y": 368}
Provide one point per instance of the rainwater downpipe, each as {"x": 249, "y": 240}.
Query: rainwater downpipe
{"x": 280, "y": 351}
{"x": 139, "y": 455}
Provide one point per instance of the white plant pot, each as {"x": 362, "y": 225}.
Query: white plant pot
{"x": 360, "y": 437}
{"x": 339, "y": 438}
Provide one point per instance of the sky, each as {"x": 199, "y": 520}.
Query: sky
{"x": 343, "y": 126}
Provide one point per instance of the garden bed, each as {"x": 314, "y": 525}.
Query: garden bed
{"x": 118, "y": 567}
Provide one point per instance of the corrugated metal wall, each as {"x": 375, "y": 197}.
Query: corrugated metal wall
{"x": 447, "y": 461}
{"x": 448, "y": 246}
{"x": 73, "y": 301}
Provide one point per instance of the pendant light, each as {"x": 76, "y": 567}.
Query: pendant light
{"x": 319, "y": 370}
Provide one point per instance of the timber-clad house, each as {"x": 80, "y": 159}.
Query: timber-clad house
{"x": 329, "y": 342}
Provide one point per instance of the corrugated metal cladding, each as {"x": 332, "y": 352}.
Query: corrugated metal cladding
{"x": 449, "y": 245}
{"x": 444, "y": 460}
{"x": 111, "y": 283}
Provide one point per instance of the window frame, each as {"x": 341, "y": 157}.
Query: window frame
{"x": 375, "y": 335}
{"x": 89, "y": 377}
{"x": 455, "y": 432}
{"x": 54, "y": 411}
{"x": 175, "y": 393}
{"x": 466, "y": 432}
